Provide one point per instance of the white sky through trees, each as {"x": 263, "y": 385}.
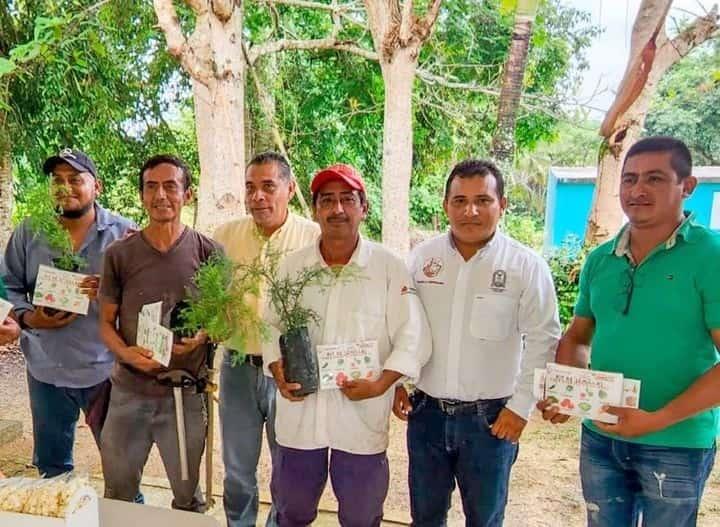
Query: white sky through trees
{"x": 608, "y": 54}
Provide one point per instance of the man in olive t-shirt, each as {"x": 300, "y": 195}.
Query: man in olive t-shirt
{"x": 154, "y": 265}
{"x": 649, "y": 305}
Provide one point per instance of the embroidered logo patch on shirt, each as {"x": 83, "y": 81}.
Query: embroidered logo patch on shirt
{"x": 432, "y": 267}
{"x": 499, "y": 281}
{"x": 406, "y": 290}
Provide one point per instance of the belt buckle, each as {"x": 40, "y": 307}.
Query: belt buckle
{"x": 254, "y": 360}
{"x": 447, "y": 406}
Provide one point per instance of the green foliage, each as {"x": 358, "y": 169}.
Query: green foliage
{"x": 342, "y": 95}
{"x": 687, "y": 104}
{"x": 217, "y": 304}
{"x": 286, "y": 292}
{"x": 101, "y": 82}
{"x": 524, "y": 228}
{"x": 565, "y": 265}
{"x": 42, "y": 215}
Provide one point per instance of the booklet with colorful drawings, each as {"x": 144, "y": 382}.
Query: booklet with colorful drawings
{"x": 152, "y": 335}
{"x": 352, "y": 361}
{"x": 60, "y": 290}
{"x": 5, "y": 308}
{"x": 582, "y": 392}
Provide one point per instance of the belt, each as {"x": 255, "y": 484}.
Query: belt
{"x": 249, "y": 358}
{"x": 254, "y": 360}
{"x": 457, "y": 407}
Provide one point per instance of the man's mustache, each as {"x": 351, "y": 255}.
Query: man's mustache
{"x": 337, "y": 218}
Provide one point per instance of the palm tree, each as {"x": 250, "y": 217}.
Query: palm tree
{"x": 503, "y": 144}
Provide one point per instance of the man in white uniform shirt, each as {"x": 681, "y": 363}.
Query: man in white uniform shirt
{"x": 344, "y": 431}
{"x": 492, "y": 309}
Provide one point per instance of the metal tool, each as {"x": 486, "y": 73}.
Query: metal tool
{"x": 179, "y": 379}
{"x": 210, "y": 388}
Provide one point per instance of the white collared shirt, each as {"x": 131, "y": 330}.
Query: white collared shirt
{"x": 381, "y": 305}
{"x": 493, "y": 319}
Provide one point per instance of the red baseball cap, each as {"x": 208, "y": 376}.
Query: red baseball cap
{"x": 340, "y": 172}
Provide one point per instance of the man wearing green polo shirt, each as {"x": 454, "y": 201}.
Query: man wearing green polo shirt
{"x": 649, "y": 305}
{"x": 9, "y": 329}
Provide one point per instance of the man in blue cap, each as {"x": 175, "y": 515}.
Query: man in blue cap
{"x": 67, "y": 364}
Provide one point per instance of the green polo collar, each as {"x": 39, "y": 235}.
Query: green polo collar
{"x": 621, "y": 243}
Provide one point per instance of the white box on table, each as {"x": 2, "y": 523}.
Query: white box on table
{"x": 86, "y": 515}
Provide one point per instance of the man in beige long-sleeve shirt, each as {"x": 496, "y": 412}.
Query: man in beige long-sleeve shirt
{"x": 247, "y": 397}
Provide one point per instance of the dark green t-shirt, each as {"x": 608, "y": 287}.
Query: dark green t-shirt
{"x": 653, "y": 322}
{"x": 3, "y": 292}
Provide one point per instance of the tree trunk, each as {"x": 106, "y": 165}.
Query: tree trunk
{"x": 398, "y": 77}
{"x": 398, "y": 35}
{"x": 6, "y": 198}
{"x": 212, "y": 57}
{"x": 503, "y": 144}
{"x": 220, "y": 128}
{"x": 626, "y": 118}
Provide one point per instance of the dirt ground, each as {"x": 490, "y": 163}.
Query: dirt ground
{"x": 544, "y": 492}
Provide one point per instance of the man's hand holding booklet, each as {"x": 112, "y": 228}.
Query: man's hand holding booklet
{"x": 584, "y": 393}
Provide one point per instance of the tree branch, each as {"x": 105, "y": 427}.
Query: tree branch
{"x": 199, "y": 7}
{"x": 268, "y": 109}
{"x": 330, "y": 42}
{"x": 702, "y": 29}
{"x": 308, "y": 4}
{"x": 223, "y": 9}
{"x": 432, "y": 14}
{"x": 431, "y": 78}
{"x": 178, "y": 45}
{"x": 406, "y": 22}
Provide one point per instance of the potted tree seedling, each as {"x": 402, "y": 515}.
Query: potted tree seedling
{"x": 43, "y": 211}
{"x": 43, "y": 214}
{"x": 217, "y": 304}
{"x": 285, "y": 294}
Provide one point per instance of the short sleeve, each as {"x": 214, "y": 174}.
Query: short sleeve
{"x": 110, "y": 285}
{"x": 582, "y": 305}
{"x": 708, "y": 283}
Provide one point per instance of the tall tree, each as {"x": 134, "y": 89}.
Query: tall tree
{"x": 687, "y": 105}
{"x": 503, "y": 143}
{"x": 343, "y": 95}
{"x": 398, "y": 34}
{"x": 212, "y": 56}
{"x": 652, "y": 53}
{"x": 91, "y": 75}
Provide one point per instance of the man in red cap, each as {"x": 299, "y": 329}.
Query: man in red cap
{"x": 342, "y": 429}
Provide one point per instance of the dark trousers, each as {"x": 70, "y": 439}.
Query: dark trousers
{"x": 455, "y": 444}
{"x": 360, "y": 483}
{"x": 55, "y": 412}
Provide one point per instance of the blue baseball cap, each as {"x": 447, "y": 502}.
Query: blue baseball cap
{"x": 77, "y": 159}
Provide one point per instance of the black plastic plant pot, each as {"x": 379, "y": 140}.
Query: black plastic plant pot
{"x": 299, "y": 361}
{"x": 74, "y": 268}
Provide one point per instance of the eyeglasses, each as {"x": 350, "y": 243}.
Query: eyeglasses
{"x": 629, "y": 288}
{"x": 346, "y": 201}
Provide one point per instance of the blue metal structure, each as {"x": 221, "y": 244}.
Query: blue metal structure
{"x": 570, "y": 194}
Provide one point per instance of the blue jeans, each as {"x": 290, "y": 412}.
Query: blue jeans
{"x": 55, "y": 412}
{"x": 632, "y": 484}
{"x": 448, "y": 446}
{"x": 247, "y": 404}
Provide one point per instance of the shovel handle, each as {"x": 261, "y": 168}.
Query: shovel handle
{"x": 182, "y": 444}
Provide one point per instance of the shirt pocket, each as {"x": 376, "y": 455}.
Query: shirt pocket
{"x": 493, "y": 316}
